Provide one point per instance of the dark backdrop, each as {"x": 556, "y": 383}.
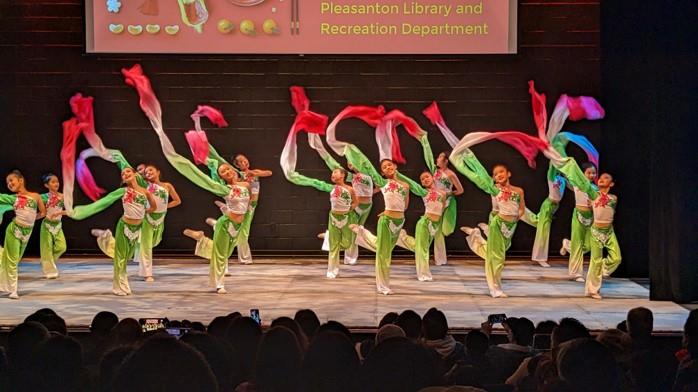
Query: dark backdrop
{"x": 650, "y": 91}
{"x": 43, "y": 64}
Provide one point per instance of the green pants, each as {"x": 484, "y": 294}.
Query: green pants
{"x": 599, "y": 266}
{"x": 225, "y": 237}
{"x": 424, "y": 234}
{"x": 244, "y": 252}
{"x": 16, "y": 238}
{"x": 387, "y": 235}
{"x": 51, "y": 246}
{"x": 542, "y": 241}
{"x": 579, "y": 241}
{"x": 151, "y": 234}
{"x": 447, "y": 225}
{"x": 361, "y": 212}
{"x": 340, "y": 237}
{"x": 124, "y": 248}
{"x": 493, "y": 250}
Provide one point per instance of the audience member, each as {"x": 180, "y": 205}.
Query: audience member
{"x": 330, "y": 364}
{"x": 308, "y": 321}
{"x": 163, "y": 363}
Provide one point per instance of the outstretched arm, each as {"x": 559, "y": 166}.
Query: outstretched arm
{"x": 465, "y": 161}
{"x": 121, "y": 161}
{"x": 363, "y": 164}
{"x": 302, "y": 180}
{"x": 87, "y": 210}
{"x": 414, "y": 186}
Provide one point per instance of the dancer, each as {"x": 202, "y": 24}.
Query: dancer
{"x": 428, "y": 226}
{"x": 445, "y": 180}
{"x": 251, "y": 176}
{"x": 582, "y": 218}
{"x": 51, "y": 238}
{"x": 28, "y": 207}
{"x": 136, "y": 202}
{"x": 510, "y": 205}
{"x": 343, "y": 202}
{"x": 236, "y": 193}
{"x": 603, "y": 206}
{"x": 154, "y": 224}
{"x": 544, "y": 218}
{"x": 227, "y": 228}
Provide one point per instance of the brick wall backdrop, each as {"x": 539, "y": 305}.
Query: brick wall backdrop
{"x": 43, "y": 63}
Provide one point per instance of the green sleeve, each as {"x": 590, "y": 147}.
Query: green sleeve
{"x": 363, "y": 164}
{"x": 3, "y": 209}
{"x": 213, "y": 154}
{"x": 414, "y": 187}
{"x": 575, "y": 175}
{"x": 186, "y": 168}
{"x": 428, "y": 154}
{"x": 87, "y": 210}
{"x": 302, "y": 180}
{"x": 44, "y": 197}
{"x": 121, "y": 161}
{"x": 213, "y": 170}
{"x": 468, "y": 165}
{"x": 7, "y": 199}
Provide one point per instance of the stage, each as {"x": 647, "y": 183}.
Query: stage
{"x": 279, "y": 287}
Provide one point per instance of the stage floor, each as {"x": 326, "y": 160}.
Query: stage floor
{"x": 280, "y": 287}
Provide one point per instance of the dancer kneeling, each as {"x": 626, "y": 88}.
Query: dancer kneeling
{"x": 227, "y": 228}
{"x": 136, "y": 201}
{"x": 427, "y": 227}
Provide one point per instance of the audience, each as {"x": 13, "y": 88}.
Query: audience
{"x": 407, "y": 353}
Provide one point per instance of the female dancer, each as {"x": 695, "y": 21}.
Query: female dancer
{"x": 51, "y": 238}
{"x": 510, "y": 206}
{"x": 227, "y": 228}
{"x": 582, "y": 218}
{"x": 136, "y": 202}
{"x": 445, "y": 180}
{"x": 435, "y": 201}
{"x": 28, "y": 207}
{"x": 544, "y": 218}
{"x": 154, "y": 224}
{"x": 251, "y": 176}
{"x": 343, "y": 202}
{"x": 603, "y": 206}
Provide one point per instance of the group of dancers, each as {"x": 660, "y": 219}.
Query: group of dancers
{"x": 146, "y": 198}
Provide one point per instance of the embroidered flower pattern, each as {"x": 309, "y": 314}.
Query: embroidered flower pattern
{"x": 394, "y": 187}
{"x": 21, "y": 202}
{"x": 506, "y": 194}
{"x": 54, "y": 200}
{"x": 604, "y": 201}
{"x": 363, "y": 180}
{"x": 432, "y": 196}
{"x": 442, "y": 179}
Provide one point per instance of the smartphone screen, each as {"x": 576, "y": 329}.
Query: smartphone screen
{"x": 254, "y": 314}
{"x": 153, "y": 324}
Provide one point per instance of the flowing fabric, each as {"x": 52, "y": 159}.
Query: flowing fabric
{"x": 71, "y": 132}
{"x": 433, "y": 113}
{"x": 540, "y": 115}
{"x": 81, "y": 123}
{"x": 583, "y": 143}
{"x": 151, "y": 107}
{"x": 196, "y": 138}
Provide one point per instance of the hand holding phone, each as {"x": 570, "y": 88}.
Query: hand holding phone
{"x": 496, "y": 318}
{"x": 254, "y": 315}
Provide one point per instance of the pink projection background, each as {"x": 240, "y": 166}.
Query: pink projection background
{"x": 302, "y": 26}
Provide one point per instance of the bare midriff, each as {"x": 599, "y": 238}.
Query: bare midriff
{"x": 509, "y": 218}
{"x": 237, "y": 218}
{"x": 365, "y": 199}
{"x": 132, "y": 221}
{"x": 394, "y": 214}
